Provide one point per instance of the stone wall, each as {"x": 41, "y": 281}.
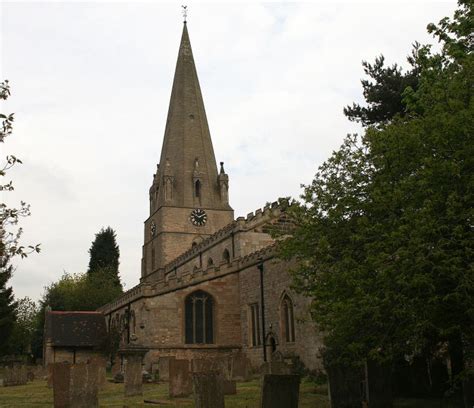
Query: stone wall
{"x": 276, "y": 284}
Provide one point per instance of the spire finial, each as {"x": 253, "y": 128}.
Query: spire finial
{"x": 185, "y": 13}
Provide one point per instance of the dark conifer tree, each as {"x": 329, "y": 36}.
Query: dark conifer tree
{"x": 104, "y": 255}
{"x": 7, "y": 301}
{"x": 384, "y": 91}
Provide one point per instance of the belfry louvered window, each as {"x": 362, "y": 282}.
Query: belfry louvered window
{"x": 199, "y": 314}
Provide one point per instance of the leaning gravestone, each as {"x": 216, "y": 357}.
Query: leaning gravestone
{"x": 180, "y": 382}
{"x": 208, "y": 391}
{"x": 280, "y": 391}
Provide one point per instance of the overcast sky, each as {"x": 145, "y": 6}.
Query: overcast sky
{"x": 90, "y": 89}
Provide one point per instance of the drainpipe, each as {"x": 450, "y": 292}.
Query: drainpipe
{"x": 262, "y": 301}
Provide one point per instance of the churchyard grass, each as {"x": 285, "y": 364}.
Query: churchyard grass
{"x": 36, "y": 394}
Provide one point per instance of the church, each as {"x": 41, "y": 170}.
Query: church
{"x": 210, "y": 284}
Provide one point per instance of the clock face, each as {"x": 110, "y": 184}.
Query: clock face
{"x": 198, "y": 217}
{"x": 153, "y": 228}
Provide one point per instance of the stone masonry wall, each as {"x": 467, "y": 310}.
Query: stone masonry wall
{"x": 276, "y": 284}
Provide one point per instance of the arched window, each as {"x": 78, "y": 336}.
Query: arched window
{"x": 226, "y": 256}
{"x": 199, "y": 323}
{"x": 210, "y": 262}
{"x": 288, "y": 322}
{"x": 197, "y": 189}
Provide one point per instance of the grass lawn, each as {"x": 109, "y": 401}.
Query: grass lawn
{"x": 37, "y": 394}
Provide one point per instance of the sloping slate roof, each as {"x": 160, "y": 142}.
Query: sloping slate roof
{"x": 75, "y": 329}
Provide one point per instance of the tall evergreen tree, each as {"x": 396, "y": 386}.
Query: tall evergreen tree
{"x": 104, "y": 255}
{"x": 384, "y": 91}
{"x": 7, "y": 302}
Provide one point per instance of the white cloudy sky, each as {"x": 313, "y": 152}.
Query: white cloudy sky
{"x": 90, "y": 90}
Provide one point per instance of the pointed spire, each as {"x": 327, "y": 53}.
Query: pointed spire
{"x": 187, "y": 139}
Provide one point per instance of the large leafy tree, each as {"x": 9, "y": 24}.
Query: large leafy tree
{"x": 74, "y": 292}
{"x": 384, "y": 234}
{"x": 104, "y": 255}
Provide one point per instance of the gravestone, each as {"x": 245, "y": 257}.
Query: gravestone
{"x": 133, "y": 370}
{"x": 240, "y": 367}
{"x": 60, "y": 380}
{"x": 275, "y": 367}
{"x": 180, "y": 382}
{"x": 50, "y": 375}
{"x": 345, "y": 385}
{"x": 75, "y": 385}
{"x": 16, "y": 374}
{"x": 228, "y": 386}
{"x": 379, "y": 381}
{"x": 164, "y": 368}
{"x": 208, "y": 391}
{"x": 280, "y": 391}
{"x": 116, "y": 368}
{"x": 100, "y": 363}
{"x": 84, "y": 386}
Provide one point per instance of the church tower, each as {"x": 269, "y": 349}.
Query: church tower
{"x": 189, "y": 197}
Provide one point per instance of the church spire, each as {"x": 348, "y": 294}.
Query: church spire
{"x": 187, "y": 140}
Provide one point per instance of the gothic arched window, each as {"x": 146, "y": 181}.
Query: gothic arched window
{"x": 199, "y": 315}
{"x": 226, "y": 256}
{"x": 288, "y": 322}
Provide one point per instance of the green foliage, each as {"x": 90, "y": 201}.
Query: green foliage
{"x": 9, "y": 240}
{"x": 24, "y": 327}
{"x": 74, "y": 292}
{"x": 7, "y": 306}
{"x": 383, "y": 92}
{"x": 384, "y": 234}
{"x": 104, "y": 255}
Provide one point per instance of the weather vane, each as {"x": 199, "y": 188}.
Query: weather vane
{"x": 185, "y": 12}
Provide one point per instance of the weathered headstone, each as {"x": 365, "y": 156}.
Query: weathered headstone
{"x": 345, "y": 386}
{"x": 164, "y": 367}
{"x": 61, "y": 379}
{"x": 16, "y": 374}
{"x": 180, "y": 382}
{"x": 280, "y": 391}
{"x": 50, "y": 375}
{"x": 116, "y": 368}
{"x": 208, "y": 391}
{"x": 240, "y": 367}
{"x": 100, "y": 364}
{"x": 133, "y": 375}
{"x": 75, "y": 385}
{"x": 84, "y": 386}
{"x": 228, "y": 386}
{"x": 379, "y": 380}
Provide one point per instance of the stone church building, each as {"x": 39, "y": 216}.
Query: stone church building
{"x": 210, "y": 284}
